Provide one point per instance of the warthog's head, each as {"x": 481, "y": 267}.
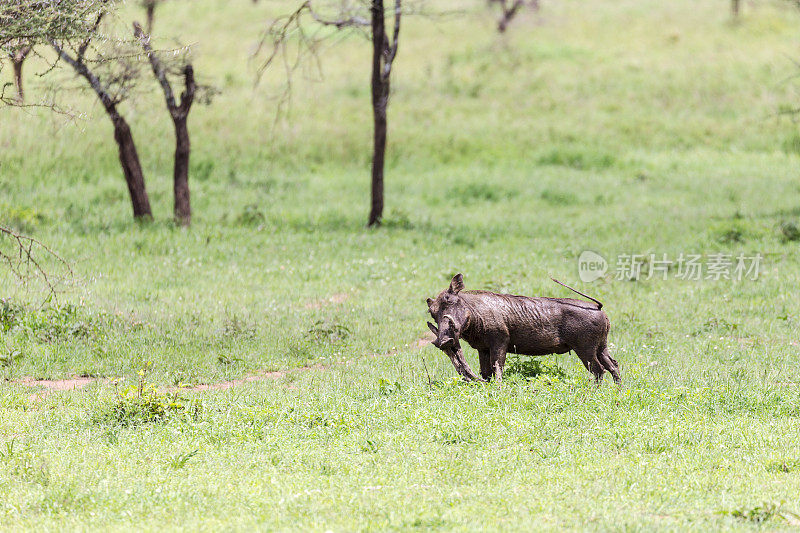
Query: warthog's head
{"x": 451, "y": 314}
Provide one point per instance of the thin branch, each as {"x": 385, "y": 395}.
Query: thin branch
{"x": 108, "y": 101}
{"x": 189, "y": 91}
{"x": 24, "y": 264}
{"x": 398, "y": 12}
{"x": 158, "y": 69}
{"x": 352, "y": 21}
{"x": 86, "y": 42}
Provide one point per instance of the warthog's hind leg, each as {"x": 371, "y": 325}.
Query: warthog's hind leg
{"x": 609, "y": 363}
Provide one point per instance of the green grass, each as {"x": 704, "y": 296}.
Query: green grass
{"x": 619, "y": 127}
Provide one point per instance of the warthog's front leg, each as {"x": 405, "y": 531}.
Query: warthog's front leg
{"x": 497, "y": 356}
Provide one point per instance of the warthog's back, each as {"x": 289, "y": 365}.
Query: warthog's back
{"x": 534, "y": 326}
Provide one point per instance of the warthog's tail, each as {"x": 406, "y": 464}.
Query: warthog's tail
{"x": 599, "y": 304}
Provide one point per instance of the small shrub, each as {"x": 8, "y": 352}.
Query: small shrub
{"x": 758, "y": 514}
{"x": 9, "y": 361}
{"x": 227, "y": 360}
{"x": 30, "y": 468}
{"x": 790, "y": 232}
{"x": 656, "y": 446}
{"x": 453, "y": 433}
{"x": 202, "y": 169}
{"x": 576, "y": 158}
{"x": 387, "y": 388}
{"x": 731, "y": 235}
{"x": 558, "y": 197}
{"x": 317, "y": 420}
{"x": 479, "y": 192}
{"x": 299, "y": 352}
{"x": 250, "y": 216}
{"x": 143, "y": 403}
{"x": 323, "y": 331}
{"x": 179, "y": 461}
{"x": 791, "y": 145}
{"x": 718, "y": 325}
{"x": 783, "y": 466}
{"x": 535, "y": 368}
{"x": 21, "y": 218}
{"x": 236, "y": 327}
{"x": 50, "y": 325}
{"x": 399, "y": 219}
{"x": 9, "y": 315}
{"x": 8, "y": 451}
{"x": 369, "y": 446}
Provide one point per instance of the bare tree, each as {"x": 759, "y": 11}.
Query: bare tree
{"x": 112, "y": 86}
{"x": 179, "y": 112}
{"x": 384, "y": 52}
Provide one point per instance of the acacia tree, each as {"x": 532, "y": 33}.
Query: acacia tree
{"x": 384, "y": 52}
{"x": 25, "y": 23}
{"x": 111, "y": 74}
{"x": 179, "y": 112}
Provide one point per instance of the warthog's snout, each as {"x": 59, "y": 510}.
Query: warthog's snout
{"x": 445, "y": 336}
{"x": 447, "y": 341}
{"x": 443, "y": 339}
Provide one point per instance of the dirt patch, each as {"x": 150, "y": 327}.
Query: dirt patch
{"x": 66, "y": 384}
{"x": 278, "y": 374}
{"x": 335, "y": 299}
{"x": 79, "y": 382}
{"x": 224, "y": 385}
{"x": 422, "y": 341}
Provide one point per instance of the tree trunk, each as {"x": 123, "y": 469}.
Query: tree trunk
{"x": 18, "y": 78}
{"x": 508, "y": 15}
{"x": 378, "y": 159}
{"x": 735, "y": 8}
{"x": 17, "y": 59}
{"x": 183, "y": 210}
{"x": 131, "y": 168}
{"x": 380, "y": 99}
{"x": 150, "y": 9}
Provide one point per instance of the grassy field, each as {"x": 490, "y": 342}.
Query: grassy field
{"x": 619, "y": 127}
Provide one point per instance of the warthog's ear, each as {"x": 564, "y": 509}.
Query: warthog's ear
{"x": 457, "y": 283}
{"x": 433, "y": 329}
{"x": 430, "y": 302}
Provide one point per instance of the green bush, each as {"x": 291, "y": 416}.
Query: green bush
{"x": 143, "y": 403}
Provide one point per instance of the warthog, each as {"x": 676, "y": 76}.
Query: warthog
{"x": 496, "y": 324}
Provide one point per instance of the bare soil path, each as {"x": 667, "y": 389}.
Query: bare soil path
{"x": 79, "y": 382}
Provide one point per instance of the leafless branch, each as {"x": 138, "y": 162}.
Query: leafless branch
{"x": 85, "y": 44}
{"x": 25, "y": 259}
{"x": 343, "y": 22}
